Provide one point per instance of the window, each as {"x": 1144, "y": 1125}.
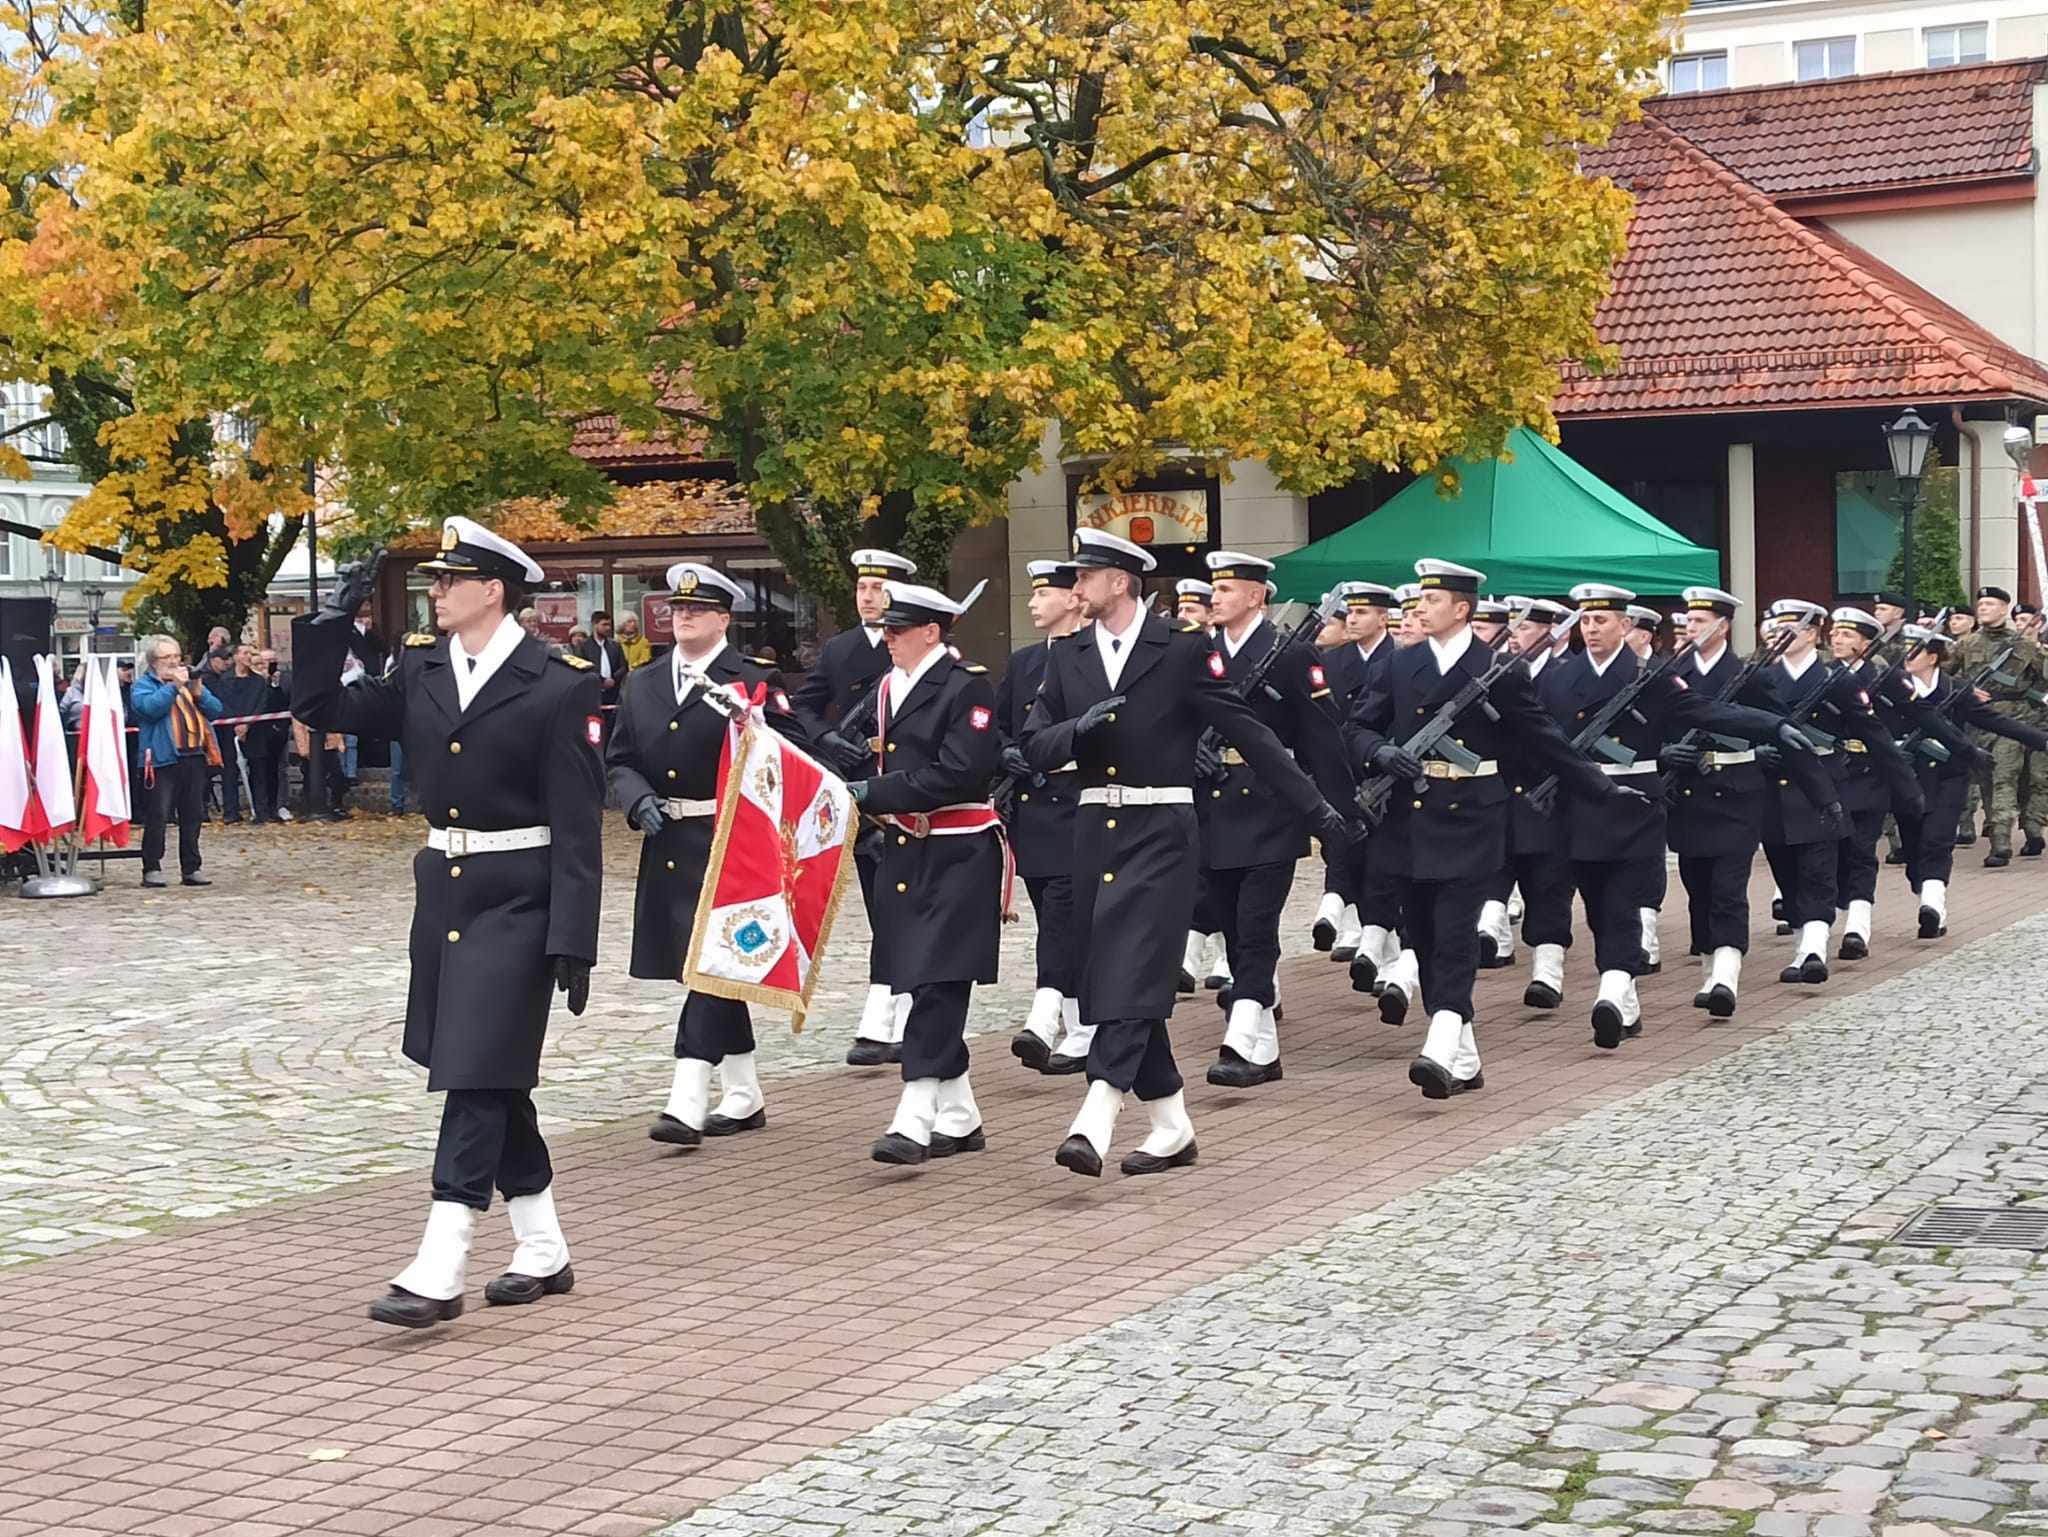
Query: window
{"x": 1824, "y": 58}
{"x": 1969, "y": 44}
{"x": 1699, "y": 72}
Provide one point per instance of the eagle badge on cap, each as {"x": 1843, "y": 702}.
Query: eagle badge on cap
{"x": 688, "y": 583}
{"x": 449, "y": 537}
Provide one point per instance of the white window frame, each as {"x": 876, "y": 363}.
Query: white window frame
{"x": 1827, "y": 45}
{"x": 1701, "y": 60}
{"x": 1954, "y": 33}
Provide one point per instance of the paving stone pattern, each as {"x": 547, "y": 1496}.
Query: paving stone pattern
{"x": 180, "y": 1054}
{"x": 1680, "y": 1313}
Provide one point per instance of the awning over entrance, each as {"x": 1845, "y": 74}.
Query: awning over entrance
{"x": 1534, "y": 524}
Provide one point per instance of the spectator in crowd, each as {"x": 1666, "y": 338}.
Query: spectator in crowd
{"x": 263, "y": 741}
{"x": 529, "y": 621}
{"x": 214, "y": 670}
{"x": 242, "y": 691}
{"x": 602, "y": 652}
{"x": 636, "y": 648}
{"x": 71, "y": 698}
{"x": 172, "y": 708}
{"x": 125, "y": 671}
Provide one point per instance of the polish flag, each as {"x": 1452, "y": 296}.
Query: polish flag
{"x": 21, "y": 819}
{"x": 52, "y": 765}
{"x": 2030, "y": 491}
{"x": 102, "y": 764}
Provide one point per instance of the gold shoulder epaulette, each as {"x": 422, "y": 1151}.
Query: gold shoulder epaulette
{"x": 420, "y": 638}
{"x": 576, "y": 662}
{"x": 972, "y": 667}
{"x": 762, "y": 661}
{"x": 1191, "y": 628}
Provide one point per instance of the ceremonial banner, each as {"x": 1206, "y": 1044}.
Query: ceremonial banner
{"x": 52, "y": 763}
{"x": 21, "y": 819}
{"x": 779, "y": 860}
{"x": 103, "y": 790}
{"x": 2030, "y": 515}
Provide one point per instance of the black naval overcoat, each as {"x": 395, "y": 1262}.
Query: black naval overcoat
{"x": 1530, "y": 833}
{"x": 1243, "y": 821}
{"x": 1716, "y": 813}
{"x": 1879, "y": 779}
{"x": 1041, "y": 815}
{"x": 1792, "y": 805}
{"x": 938, "y": 900}
{"x": 1135, "y": 867}
{"x": 1949, "y": 719}
{"x": 669, "y": 750}
{"x": 524, "y": 754}
{"x": 843, "y": 675}
{"x": 1456, "y": 829}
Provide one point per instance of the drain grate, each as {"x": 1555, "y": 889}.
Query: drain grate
{"x": 1977, "y": 1227}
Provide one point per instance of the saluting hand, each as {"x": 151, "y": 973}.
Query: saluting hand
{"x": 572, "y": 976}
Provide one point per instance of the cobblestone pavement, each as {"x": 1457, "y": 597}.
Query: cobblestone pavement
{"x": 185, "y": 1053}
{"x": 1679, "y": 1313}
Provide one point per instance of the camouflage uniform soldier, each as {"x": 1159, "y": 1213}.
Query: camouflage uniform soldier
{"x": 2026, "y": 618}
{"x": 2024, "y": 673}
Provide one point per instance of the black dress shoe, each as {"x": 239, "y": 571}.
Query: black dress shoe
{"x": 409, "y": 1310}
{"x": 1279, "y": 1012}
{"x": 154, "y": 879}
{"x": 512, "y": 1289}
{"x": 716, "y": 1125}
{"x": 1653, "y": 968}
{"x": 667, "y": 1128}
{"x": 893, "y": 1053}
{"x": 1344, "y": 954}
{"x": 866, "y": 1053}
{"x": 1365, "y": 976}
{"x": 1393, "y": 1005}
{"x": 944, "y": 1146}
{"x": 1215, "y": 980}
{"x": 1057, "y": 1066}
{"x": 1185, "y": 983}
{"x": 1702, "y": 998}
{"x": 1142, "y": 1162}
{"x": 1778, "y": 908}
{"x": 1896, "y": 857}
{"x": 1721, "y": 1001}
{"x": 1031, "y": 1050}
{"x": 1224, "y": 999}
{"x": 1854, "y": 948}
{"x": 1784, "y": 928}
{"x": 1488, "y": 952}
{"x": 2032, "y": 848}
{"x": 894, "y": 1147}
{"x": 1231, "y": 1071}
{"x": 1812, "y": 969}
{"x": 194, "y": 880}
{"x": 1633, "y": 1032}
{"x": 1931, "y": 926}
{"x": 1541, "y": 995}
{"x": 1078, "y": 1153}
{"x": 1606, "y": 1025}
{"x": 1965, "y": 837}
{"x": 1433, "y": 1078}
{"x": 1997, "y": 859}
{"x": 1323, "y": 936}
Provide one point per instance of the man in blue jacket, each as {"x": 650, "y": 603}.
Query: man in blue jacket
{"x": 171, "y": 708}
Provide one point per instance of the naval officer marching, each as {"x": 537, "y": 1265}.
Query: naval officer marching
{"x": 663, "y": 762}
{"x": 501, "y": 745}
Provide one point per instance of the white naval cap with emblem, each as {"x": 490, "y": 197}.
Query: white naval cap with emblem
{"x": 1050, "y": 573}
{"x": 1408, "y": 594}
{"x": 910, "y": 604}
{"x": 1794, "y": 611}
{"x": 1710, "y": 600}
{"x": 1645, "y": 618}
{"x": 1492, "y": 610}
{"x": 1234, "y": 565}
{"x": 1093, "y": 547}
{"x": 1545, "y": 611}
{"x": 1920, "y": 635}
{"x": 470, "y": 549}
{"x": 1366, "y": 595}
{"x": 1449, "y": 576}
{"x": 883, "y": 563}
{"x": 1602, "y": 598}
{"x": 1864, "y": 623}
{"x": 1193, "y": 587}
{"x": 691, "y": 582}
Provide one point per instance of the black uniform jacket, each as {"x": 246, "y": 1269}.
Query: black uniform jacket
{"x": 1661, "y": 713}
{"x": 1716, "y": 811}
{"x": 1135, "y": 867}
{"x": 1041, "y": 815}
{"x": 938, "y": 899}
{"x": 1349, "y": 671}
{"x": 671, "y": 750}
{"x": 1243, "y": 822}
{"x": 1792, "y": 797}
{"x": 1947, "y": 714}
{"x": 844, "y": 674}
{"x": 1529, "y": 832}
{"x": 1456, "y": 829}
{"x": 524, "y": 754}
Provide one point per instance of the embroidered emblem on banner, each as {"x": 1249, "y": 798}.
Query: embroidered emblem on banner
{"x": 593, "y": 730}
{"x": 1215, "y": 664}
{"x": 979, "y": 717}
{"x": 747, "y": 931}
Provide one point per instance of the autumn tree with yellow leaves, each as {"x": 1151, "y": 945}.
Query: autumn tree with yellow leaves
{"x": 867, "y": 249}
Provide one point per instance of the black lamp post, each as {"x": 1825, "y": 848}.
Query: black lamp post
{"x": 1907, "y": 441}
{"x": 53, "y": 584}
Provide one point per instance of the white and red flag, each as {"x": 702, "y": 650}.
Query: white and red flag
{"x": 21, "y": 819}
{"x": 780, "y": 856}
{"x": 50, "y": 761}
{"x": 104, "y": 794}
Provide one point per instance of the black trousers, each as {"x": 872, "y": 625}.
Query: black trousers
{"x": 1052, "y": 899}
{"x": 1856, "y": 859}
{"x": 1717, "y": 899}
{"x": 1546, "y": 882}
{"x": 934, "y": 1034}
{"x": 1135, "y": 1056}
{"x": 1441, "y": 925}
{"x": 264, "y": 769}
{"x": 1615, "y": 892}
{"x": 1805, "y": 873}
{"x": 1247, "y": 903}
{"x": 1930, "y": 840}
{"x": 489, "y": 1137}
{"x": 180, "y": 790}
{"x": 711, "y": 1029}
{"x": 1379, "y": 890}
{"x": 1207, "y": 919}
{"x": 1344, "y": 872}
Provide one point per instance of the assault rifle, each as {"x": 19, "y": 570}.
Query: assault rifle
{"x": 1936, "y": 751}
{"x": 1917, "y": 741}
{"x": 1435, "y": 733}
{"x": 1757, "y": 661}
{"x": 1595, "y": 735}
{"x": 1249, "y": 686}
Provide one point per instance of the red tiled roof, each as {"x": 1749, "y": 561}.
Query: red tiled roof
{"x": 599, "y": 440}
{"x": 1724, "y": 302}
{"x": 1968, "y": 124}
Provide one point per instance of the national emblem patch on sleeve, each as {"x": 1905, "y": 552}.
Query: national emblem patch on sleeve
{"x": 1315, "y": 676}
{"x": 593, "y": 731}
{"x": 979, "y": 717}
{"x": 1215, "y": 664}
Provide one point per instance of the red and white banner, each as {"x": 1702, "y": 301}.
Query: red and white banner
{"x": 50, "y": 760}
{"x": 780, "y": 858}
{"x": 21, "y": 819}
{"x": 105, "y": 796}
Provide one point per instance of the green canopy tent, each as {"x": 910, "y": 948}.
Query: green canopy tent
{"x": 1536, "y": 523}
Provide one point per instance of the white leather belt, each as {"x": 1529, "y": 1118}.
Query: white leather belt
{"x": 459, "y": 842}
{"x": 675, "y": 811}
{"x": 1442, "y": 768}
{"x": 1727, "y": 759}
{"x": 1623, "y": 770}
{"x": 1138, "y": 795}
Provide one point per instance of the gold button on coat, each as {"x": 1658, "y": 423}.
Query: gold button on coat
{"x": 900, "y": 886}
{"x": 673, "y": 726}
{"x": 1108, "y": 876}
{"x": 453, "y": 935}
{"x": 455, "y": 872}
{"x": 1110, "y": 823}
{"x": 455, "y": 747}
{"x": 1111, "y": 771}
{"x": 671, "y": 773}
{"x": 454, "y": 812}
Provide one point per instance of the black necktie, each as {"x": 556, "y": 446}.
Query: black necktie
{"x": 1116, "y": 643}
{"x": 472, "y": 664}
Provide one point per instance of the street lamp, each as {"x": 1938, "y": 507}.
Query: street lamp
{"x": 53, "y": 581}
{"x": 1907, "y": 440}
{"x": 95, "y": 598}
